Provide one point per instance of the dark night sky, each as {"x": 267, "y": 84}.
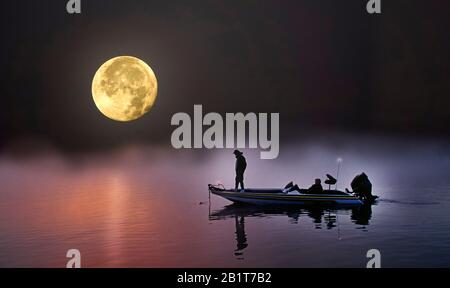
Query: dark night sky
{"x": 320, "y": 63}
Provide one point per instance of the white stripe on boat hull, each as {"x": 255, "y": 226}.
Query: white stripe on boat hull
{"x": 290, "y": 202}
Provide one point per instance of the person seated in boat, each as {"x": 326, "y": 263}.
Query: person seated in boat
{"x": 316, "y": 188}
{"x": 241, "y": 165}
{"x": 362, "y": 186}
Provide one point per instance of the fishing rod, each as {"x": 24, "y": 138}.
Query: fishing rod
{"x": 339, "y": 161}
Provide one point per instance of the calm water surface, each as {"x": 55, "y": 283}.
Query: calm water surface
{"x": 149, "y": 207}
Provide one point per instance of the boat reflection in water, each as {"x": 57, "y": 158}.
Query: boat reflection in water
{"x": 321, "y": 216}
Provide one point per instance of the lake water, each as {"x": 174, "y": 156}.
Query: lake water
{"x": 149, "y": 207}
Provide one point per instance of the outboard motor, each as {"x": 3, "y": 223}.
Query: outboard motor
{"x": 362, "y": 187}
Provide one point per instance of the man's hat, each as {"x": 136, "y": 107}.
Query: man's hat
{"x": 237, "y": 152}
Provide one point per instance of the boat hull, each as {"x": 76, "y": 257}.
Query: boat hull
{"x": 272, "y": 197}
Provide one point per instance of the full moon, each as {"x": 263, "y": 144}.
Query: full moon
{"x": 124, "y": 88}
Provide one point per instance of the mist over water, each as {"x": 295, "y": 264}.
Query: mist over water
{"x": 149, "y": 207}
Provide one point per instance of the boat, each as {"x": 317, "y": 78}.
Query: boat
{"x": 276, "y": 196}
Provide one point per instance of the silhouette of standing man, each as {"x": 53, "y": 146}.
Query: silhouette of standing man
{"x": 241, "y": 164}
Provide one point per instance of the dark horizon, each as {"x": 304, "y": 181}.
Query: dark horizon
{"x": 323, "y": 65}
